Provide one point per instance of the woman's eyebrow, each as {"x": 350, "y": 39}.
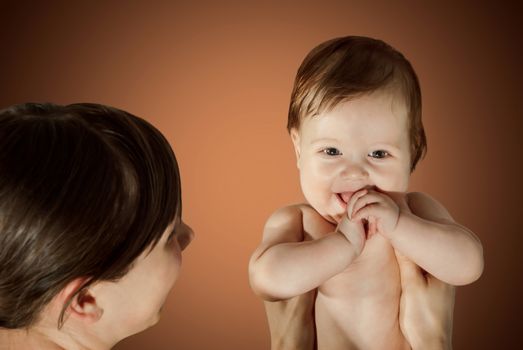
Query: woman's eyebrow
{"x": 174, "y": 224}
{"x": 171, "y": 234}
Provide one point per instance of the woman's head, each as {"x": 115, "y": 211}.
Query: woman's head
{"x": 86, "y": 193}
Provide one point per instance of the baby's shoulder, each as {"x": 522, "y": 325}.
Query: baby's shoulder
{"x": 297, "y": 222}
{"x": 285, "y": 222}
{"x": 296, "y": 213}
{"x": 423, "y": 205}
{"x": 286, "y": 214}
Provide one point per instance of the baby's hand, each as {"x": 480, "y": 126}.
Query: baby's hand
{"x": 354, "y": 232}
{"x": 379, "y": 209}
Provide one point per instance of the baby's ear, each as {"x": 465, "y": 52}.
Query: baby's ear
{"x": 83, "y": 304}
{"x": 295, "y": 137}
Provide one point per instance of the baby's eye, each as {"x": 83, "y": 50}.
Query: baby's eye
{"x": 331, "y": 151}
{"x": 379, "y": 154}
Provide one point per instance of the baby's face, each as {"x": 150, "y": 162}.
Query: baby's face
{"x": 361, "y": 143}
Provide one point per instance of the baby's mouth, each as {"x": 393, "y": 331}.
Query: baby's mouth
{"x": 344, "y": 196}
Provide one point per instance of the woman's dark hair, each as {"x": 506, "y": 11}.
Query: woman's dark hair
{"x": 84, "y": 190}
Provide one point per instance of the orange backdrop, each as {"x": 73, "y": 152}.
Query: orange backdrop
{"x": 216, "y": 77}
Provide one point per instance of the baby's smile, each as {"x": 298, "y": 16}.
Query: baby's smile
{"x": 345, "y": 196}
{"x": 343, "y": 199}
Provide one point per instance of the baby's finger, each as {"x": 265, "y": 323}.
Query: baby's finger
{"x": 353, "y": 199}
{"x": 364, "y": 201}
{"x": 357, "y": 237}
{"x": 372, "y": 226}
{"x": 371, "y": 209}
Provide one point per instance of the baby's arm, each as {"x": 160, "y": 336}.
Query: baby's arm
{"x": 284, "y": 265}
{"x": 424, "y": 231}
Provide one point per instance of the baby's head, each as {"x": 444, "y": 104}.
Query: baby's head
{"x": 355, "y": 121}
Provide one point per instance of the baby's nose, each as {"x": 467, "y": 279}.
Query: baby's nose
{"x": 354, "y": 171}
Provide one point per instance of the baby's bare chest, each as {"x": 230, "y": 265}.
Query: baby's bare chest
{"x": 361, "y": 304}
{"x": 373, "y": 276}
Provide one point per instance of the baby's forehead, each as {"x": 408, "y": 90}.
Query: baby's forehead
{"x": 364, "y": 116}
{"x": 385, "y": 101}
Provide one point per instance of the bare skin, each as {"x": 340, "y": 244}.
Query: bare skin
{"x": 425, "y": 316}
{"x": 354, "y": 163}
{"x": 426, "y": 307}
{"x": 382, "y": 313}
{"x": 426, "y": 303}
{"x": 425, "y": 312}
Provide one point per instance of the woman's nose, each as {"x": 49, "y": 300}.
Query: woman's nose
{"x": 186, "y": 236}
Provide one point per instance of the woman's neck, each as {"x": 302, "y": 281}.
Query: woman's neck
{"x": 26, "y": 339}
{"x": 44, "y": 339}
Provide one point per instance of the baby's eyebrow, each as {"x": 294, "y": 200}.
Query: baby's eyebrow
{"x": 387, "y": 145}
{"x": 324, "y": 139}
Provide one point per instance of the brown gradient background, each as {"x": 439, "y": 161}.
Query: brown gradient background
{"x": 216, "y": 79}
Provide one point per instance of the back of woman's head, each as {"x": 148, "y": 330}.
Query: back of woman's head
{"x": 84, "y": 190}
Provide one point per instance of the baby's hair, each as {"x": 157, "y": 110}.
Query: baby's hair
{"x": 347, "y": 67}
{"x": 85, "y": 189}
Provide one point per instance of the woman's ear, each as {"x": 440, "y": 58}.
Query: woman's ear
{"x": 82, "y": 303}
{"x": 295, "y": 137}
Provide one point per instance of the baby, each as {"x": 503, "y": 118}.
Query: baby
{"x": 328, "y": 267}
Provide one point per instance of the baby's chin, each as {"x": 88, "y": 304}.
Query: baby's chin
{"x": 331, "y": 215}
{"x": 332, "y": 218}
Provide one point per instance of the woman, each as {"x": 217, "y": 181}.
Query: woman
{"x": 90, "y": 226}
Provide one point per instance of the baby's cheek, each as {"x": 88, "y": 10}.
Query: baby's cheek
{"x": 317, "y": 178}
{"x": 313, "y": 186}
{"x": 392, "y": 180}
{"x": 325, "y": 171}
